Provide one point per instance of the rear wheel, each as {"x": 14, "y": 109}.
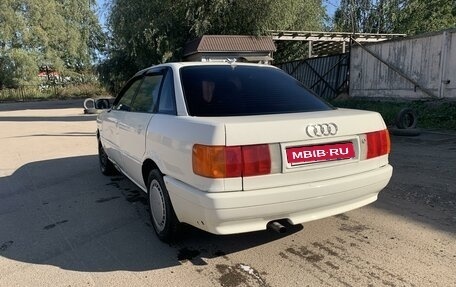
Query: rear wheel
{"x": 106, "y": 166}
{"x": 162, "y": 214}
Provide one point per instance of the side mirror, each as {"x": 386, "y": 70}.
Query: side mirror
{"x": 124, "y": 108}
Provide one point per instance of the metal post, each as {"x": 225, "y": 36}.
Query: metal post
{"x": 310, "y": 49}
{"x": 443, "y": 63}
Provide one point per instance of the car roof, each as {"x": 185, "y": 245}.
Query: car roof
{"x": 178, "y": 65}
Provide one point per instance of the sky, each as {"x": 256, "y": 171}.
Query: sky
{"x": 331, "y": 6}
{"x": 102, "y": 12}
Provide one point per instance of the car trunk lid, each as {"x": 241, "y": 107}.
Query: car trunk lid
{"x": 308, "y": 147}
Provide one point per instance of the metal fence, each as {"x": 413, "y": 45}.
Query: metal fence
{"x": 326, "y": 76}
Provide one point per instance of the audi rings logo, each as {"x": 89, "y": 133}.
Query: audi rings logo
{"x": 322, "y": 130}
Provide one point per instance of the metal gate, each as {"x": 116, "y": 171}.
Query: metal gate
{"x": 326, "y": 76}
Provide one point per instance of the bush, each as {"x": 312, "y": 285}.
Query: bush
{"x": 42, "y": 92}
{"x": 22, "y": 93}
{"x": 81, "y": 91}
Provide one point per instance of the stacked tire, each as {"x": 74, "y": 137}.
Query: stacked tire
{"x": 406, "y": 121}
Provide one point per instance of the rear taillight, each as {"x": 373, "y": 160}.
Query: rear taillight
{"x": 256, "y": 160}
{"x": 236, "y": 161}
{"x": 378, "y": 144}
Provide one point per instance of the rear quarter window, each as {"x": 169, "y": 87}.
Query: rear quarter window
{"x": 245, "y": 90}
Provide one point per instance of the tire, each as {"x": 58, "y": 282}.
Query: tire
{"x": 162, "y": 214}
{"x": 406, "y": 119}
{"x": 102, "y": 104}
{"x": 106, "y": 166}
{"x": 87, "y": 105}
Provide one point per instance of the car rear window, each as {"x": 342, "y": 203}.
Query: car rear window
{"x": 237, "y": 90}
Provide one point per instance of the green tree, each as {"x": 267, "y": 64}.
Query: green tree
{"x": 395, "y": 16}
{"x": 57, "y": 33}
{"x": 362, "y": 16}
{"x": 419, "y": 16}
{"x": 146, "y": 33}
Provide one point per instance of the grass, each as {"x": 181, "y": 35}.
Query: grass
{"x": 74, "y": 91}
{"x": 436, "y": 114}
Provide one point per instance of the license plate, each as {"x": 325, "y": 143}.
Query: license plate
{"x": 311, "y": 154}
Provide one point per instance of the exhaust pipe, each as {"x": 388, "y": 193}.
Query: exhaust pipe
{"x": 276, "y": 226}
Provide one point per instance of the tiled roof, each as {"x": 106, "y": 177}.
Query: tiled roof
{"x": 229, "y": 43}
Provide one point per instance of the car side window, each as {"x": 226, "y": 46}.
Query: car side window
{"x": 124, "y": 103}
{"x": 147, "y": 97}
{"x": 167, "y": 103}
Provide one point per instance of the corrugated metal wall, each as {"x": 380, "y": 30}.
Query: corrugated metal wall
{"x": 326, "y": 76}
{"x": 429, "y": 61}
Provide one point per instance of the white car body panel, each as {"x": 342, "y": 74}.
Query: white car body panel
{"x": 170, "y": 141}
{"x": 241, "y": 204}
{"x": 132, "y": 140}
{"x": 110, "y": 135}
{"x": 235, "y": 212}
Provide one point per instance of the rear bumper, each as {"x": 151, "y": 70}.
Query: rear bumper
{"x": 244, "y": 211}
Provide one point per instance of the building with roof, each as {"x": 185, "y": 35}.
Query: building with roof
{"x": 213, "y": 48}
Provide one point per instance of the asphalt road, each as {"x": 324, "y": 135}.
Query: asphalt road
{"x": 64, "y": 224}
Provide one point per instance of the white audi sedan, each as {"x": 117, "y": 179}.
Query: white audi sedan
{"x": 234, "y": 147}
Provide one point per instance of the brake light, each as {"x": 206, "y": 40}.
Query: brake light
{"x": 378, "y": 143}
{"x": 256, "y": 160}
{"x": 236, "y": 161}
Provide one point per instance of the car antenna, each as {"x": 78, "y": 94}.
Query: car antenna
{"x": 232, "y": 62}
